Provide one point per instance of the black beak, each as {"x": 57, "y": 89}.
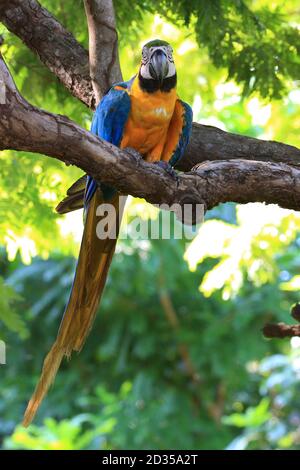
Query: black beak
{"x": 158, "y": 65}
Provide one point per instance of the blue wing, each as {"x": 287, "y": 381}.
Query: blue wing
{"x": 187, "y": 117}
{"x": 108, "y": 123}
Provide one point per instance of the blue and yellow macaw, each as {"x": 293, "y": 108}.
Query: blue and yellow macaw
{"x": 147, "y": 115}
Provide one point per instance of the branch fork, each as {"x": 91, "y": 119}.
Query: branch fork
{"x": 221, "y": 166}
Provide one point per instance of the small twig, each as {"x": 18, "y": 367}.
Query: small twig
{"x": 282, "y": 330}
{"x": 172, "y": 317}
{"x": 214, "y": 409}
{"x": 170, "y": 313}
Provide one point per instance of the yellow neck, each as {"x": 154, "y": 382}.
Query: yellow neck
{"x": 151, "y": 108}
{"x": 148, "y": 122}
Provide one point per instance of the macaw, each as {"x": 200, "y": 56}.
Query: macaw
{"x": 146, "y": 114}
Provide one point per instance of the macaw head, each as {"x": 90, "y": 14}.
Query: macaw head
{"x": 157, "y": 70}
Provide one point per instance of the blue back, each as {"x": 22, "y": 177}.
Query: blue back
{"x": 108, "y": 123}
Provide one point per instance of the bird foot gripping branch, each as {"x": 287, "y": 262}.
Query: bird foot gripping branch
{"x": 136, "y": 156}
{"x": 168, "y": 169}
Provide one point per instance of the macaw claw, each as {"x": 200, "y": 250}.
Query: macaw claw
{"x": 168, "y": 169}
{"x": 133, "y": 153}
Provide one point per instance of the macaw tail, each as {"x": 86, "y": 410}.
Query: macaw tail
{"x": 93, "y": 263}
{"x": 75, "y": 197}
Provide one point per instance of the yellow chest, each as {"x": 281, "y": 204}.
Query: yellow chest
{"x": 148, "y": 122}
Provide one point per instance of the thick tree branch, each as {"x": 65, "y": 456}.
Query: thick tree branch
{"x": 211, "y": 143}
{"x": 24, "y": 127}
{"x": 103, "y": 46}
{"x": 58, "y": 49}
{"x": 55, "y": 46}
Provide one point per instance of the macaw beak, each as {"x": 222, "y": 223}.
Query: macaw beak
{"x": 158, "y": 65}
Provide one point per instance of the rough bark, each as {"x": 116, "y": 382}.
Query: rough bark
{"x": 45, "y": 35}
{"x": 55, "y": 46}
{"x": 24, "y": 127}
{"x": 211, "y": 143}
{"x": 103, "y": 46}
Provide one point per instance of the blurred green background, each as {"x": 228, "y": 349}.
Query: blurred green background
{"x": 176, "y": 358}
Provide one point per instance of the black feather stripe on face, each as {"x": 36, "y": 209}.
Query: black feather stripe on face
{"x": 150, "y": 85}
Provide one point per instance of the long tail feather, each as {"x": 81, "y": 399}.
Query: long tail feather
{"x": 75, "y": 197}
{"x": 93, "y": 263}
{"x": 71, "y": 203}
{"x": 79, "y": 185}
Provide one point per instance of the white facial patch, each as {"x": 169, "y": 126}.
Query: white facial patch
{"x": 146, "y": 55}
{"x": 145, "y": 71}
{"x": 172, "y": 70}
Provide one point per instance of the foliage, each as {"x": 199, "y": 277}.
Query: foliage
{"x": 212, "y": 381}
{"x": 274, "y": 422}
{"x": 246, "y": 249}
{"x": 8, "y": 316}
{"x": 65, "y": 435}
{"x": 256, "y": 43}
{"x": 145, "y": 382}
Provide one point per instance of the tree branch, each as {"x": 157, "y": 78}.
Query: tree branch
{"x": 25, "y": 127}
{"x": 55, "y": 46}
{"x": 172, "y": 319}
{"x": 103, "y": 46}
{"x": 211, "y": 143}
{"x": 59, "y": 51}
{"x": 282, "y": 330}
